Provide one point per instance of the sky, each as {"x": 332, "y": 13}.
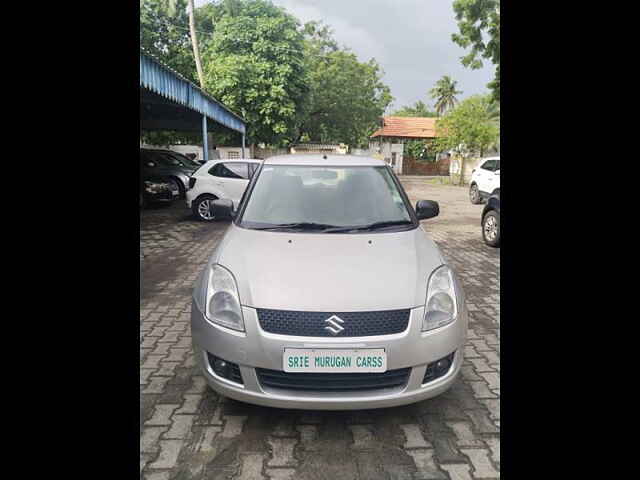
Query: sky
{"x": 410, "y": 39}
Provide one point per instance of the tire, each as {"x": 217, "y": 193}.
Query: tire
{"x": 198, "y": 208}
{"x": 178, "y": 183}
{"x": 474, "y": 194}
{"x": 491, "y": 228}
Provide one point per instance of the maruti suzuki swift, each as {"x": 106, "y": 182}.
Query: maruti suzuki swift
{"x": 326, "y": 291}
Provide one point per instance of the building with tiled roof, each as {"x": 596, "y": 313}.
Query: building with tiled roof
{"x": 407, "y": 127}
{"x": 387, "y": 142}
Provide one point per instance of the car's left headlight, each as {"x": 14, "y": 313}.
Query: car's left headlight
{"x": 153, "y": 187}
{"x": 441, "y": 307}
{"x": 222, "y": 302}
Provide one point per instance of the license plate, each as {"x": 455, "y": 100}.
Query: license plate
{"x": 363, "y": 360}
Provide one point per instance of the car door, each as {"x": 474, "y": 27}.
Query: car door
{"x": 231, "y": 179}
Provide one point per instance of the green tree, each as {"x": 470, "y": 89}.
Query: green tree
{"x": 346, "y": 97}
{"x": 164, "y": 34}
{"x": 418, "y": 109}
{"x": 254, "y": 64}
{"x": 468, "y": 129}
{"x": 479, "y": 29}
{"x": 444, "y": 93}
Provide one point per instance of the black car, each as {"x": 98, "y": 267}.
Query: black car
{"x": 175, "y": 167}
{"x": 491, "y": 220}
{"x": 154, "y": 190}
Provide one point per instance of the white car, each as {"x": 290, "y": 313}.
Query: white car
{"x": 485, "y": 180}
{"x": 218, "y": 179}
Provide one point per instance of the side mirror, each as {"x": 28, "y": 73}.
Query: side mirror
{"x": 222, "y": 209}
{"x": 497, "y": 172}
{"x": 427, "y": 209}
{"x": 201, "y": 162}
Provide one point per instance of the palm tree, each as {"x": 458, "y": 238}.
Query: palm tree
{"x": 444, "y": 93}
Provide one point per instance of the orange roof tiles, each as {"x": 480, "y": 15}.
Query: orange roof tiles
{"x": 412, "y": 127}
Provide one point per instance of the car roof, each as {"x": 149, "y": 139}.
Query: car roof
{"x": 490, "y": 158}
{"x": 319, "y": 159}
{"x": 229, "y": 160}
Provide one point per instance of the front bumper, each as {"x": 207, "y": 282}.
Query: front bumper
{"x": 188, "y": 199}
{"x": 164, "y": 196}
{"x": 256, "y": 348}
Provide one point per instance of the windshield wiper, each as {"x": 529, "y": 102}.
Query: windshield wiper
{"x": 371, "y": 226}
{"x": 296, "y": 226}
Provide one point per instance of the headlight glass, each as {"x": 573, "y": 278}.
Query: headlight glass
{"x": 441, "y": 305}
{"x": 153, "y": 187}
{"x": 222, "y": 304}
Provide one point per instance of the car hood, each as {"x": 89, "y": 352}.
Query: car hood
{"x": 329, "y": 272}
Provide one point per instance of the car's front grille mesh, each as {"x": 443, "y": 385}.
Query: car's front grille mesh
{"x": 333, "y": 382}
{"x": 315, "y": 324}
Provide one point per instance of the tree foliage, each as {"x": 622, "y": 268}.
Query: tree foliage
{"x": 291, "y": 82}
{"x": 444, "y": 93}
{"x": 418, "y": 109}
{"x": 347, "y": 96}
{"x": 468, "y": 129}
{"x": 254, "y": 65}
{"x": 164, "y": 33}
{"x": 479, "y": 29}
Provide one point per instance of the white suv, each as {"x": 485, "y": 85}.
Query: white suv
{"x": 218, "y": 179}
{"x": 485, "y": 180}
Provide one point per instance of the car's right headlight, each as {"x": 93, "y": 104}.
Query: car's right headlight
{"x": 441, "y": 307}
{"x": 222, "y": 302}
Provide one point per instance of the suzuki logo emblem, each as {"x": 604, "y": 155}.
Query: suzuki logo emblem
{"x": 333, "y": 324}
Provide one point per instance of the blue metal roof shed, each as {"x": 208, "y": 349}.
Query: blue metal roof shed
{"x": 168, "y": 101}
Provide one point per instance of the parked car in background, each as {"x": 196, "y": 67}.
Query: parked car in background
{"x": 155, "y": 189}
{"x": 218, "y": 179}
{"x": 175, "y": 167}
{"x": 290, "y": 310}
{"x": 491, "y": 220}
{"x": 485, "y": 180}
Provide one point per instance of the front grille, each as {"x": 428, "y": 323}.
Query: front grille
{"x": 333, "y": 382}
{"x": 313, "y": 324}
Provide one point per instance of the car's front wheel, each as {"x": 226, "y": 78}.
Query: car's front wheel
{"x": 491, "y": 228}
{"x": 177, "y": 185}
{"x": 474, "y": 194}
{"x": 202, "y": 208}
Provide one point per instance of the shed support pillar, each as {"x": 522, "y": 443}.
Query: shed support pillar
{"x": 243, "y": 146}
{"x": 205, "y": 142}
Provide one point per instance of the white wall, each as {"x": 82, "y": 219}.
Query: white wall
{"x": 469, "y": 165}
{"x": 386, "y": 151}
{"x": 224, "y": 152}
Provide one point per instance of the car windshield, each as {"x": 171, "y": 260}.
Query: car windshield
{"x": 184, "y": 160}
{"x": 167, "y": 159}
{"x": 327, "y": 199}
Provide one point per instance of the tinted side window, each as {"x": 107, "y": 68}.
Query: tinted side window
{"x": 498, "y": 165}
{"x": 145, "y": 159}
{"x": 230, "y": 170}
{"x": 489, "y": 165}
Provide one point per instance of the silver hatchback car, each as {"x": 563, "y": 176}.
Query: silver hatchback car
{"x": 326, "y": 293}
